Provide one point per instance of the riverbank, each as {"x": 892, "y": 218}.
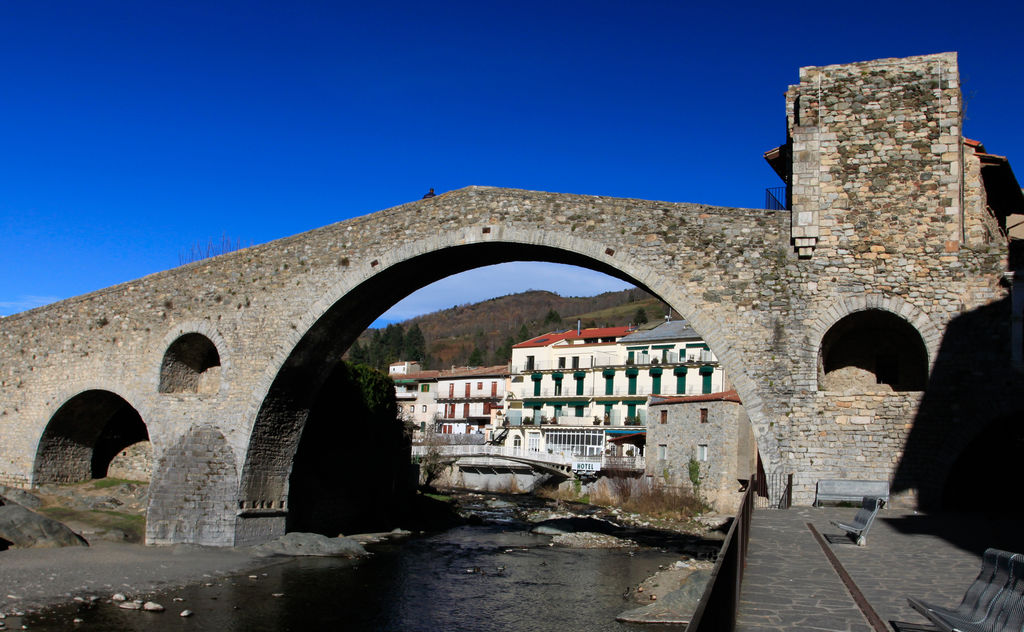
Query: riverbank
{"x": 34, "y": 579}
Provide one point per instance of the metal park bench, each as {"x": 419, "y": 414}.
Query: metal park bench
{"x": 994, "y": 602}
{"x": 850, "y": 491}
{"x": 861, "y": 524}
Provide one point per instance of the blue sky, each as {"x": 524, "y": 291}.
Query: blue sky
{"x": 133, "y": 130}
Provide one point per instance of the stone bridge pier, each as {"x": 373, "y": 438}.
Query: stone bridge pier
{"x": 866, "y": 328}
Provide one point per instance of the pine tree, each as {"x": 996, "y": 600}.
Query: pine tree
{"x": 415, "y": 347}
{"x": 641, "y": 316}
{"x": 477, "y": 357}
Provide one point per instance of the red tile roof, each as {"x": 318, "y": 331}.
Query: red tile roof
{"x": 724, "y": 396}
{"x": 546, "y": 340}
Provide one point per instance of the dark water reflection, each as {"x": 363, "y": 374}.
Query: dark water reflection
{"x": 491, "y": 577}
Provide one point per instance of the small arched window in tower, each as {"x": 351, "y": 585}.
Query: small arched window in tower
{"x": 872, "y": 351}
{"x": 191, "y": 365}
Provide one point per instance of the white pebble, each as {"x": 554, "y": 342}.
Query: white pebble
{"x": 152, "y": 606}
{"x": 185, "y": 613}
{"x": 118, "y": 597}
{"x": 130, "y": 605}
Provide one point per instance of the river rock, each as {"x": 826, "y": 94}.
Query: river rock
{"x": 299, "y": 544}
{"x": 152, "y": 606}
{"x": 675, "y": 607}
{"x": 25, "y": 529}
{"x": 20, "y": 496}
{"x": 587, "y": 540}
{"x": 560, "y": 526}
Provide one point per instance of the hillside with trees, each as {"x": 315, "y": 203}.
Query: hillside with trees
{"x": 480, "y": 334}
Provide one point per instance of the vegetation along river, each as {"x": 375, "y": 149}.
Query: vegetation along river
{"x": 490, "y": 575}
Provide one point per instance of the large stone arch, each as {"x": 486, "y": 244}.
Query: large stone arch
{"x": 83, "y": 433}
{"x": 288, "y": 387}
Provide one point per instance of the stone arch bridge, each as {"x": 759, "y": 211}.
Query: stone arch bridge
{"x": 866, "y": 327}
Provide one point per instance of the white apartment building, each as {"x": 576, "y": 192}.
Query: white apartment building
{"x": 575, "y": 390}
{"x": 468, "y": 397}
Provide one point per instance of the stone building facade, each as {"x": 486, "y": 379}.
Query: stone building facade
{"x": 711, "y": 430}
{"x": 894, "y": 228}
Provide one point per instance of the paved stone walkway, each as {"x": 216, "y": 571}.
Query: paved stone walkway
{"x": 789, "y": 583}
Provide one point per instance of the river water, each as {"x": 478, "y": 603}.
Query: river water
{"x": 489, "y": 576}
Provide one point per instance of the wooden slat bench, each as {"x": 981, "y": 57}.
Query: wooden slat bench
{"x": 839, "y": 490}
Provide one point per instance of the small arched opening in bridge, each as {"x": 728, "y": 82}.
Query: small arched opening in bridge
{"x": 275, "y": 487}
{"x": 872, "y": 350}
{"x": 191, "y": 364}
{"x": 94, "y": 434}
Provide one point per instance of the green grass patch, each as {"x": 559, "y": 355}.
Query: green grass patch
{"x": 133, "y": 525}
{"x": 440, "y": 497}
{"x": 104, "y": 483}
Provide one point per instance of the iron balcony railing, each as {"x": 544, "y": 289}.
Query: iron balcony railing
{"x": 775, "y": 199}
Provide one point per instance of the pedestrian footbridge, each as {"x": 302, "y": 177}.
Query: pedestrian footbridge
{"x": 561, "y": 463}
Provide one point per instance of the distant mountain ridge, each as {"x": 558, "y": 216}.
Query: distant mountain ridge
{"x": 481, "y": 333}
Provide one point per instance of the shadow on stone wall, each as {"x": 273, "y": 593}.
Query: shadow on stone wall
{"x": 963, "y": 446}
{"x": 350, "y": 470}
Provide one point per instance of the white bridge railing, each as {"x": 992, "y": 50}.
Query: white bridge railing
{"x": 565, "y": 459}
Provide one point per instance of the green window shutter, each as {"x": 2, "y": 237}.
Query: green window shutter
{"x": 579, "y": 386}
{"x": 681, "y": 383}
{"x": 579, "y": 411}
{"x": 609, "y": 384}
{"x": 608, "y": 373}
{"x": 536, "y": 388}
{"x": 632, "y": 384}
{"x": 655, "y": 370}
{"x": 706, "y": 372}
{"x": 656, "y": 385}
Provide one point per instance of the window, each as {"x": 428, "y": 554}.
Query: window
{"x": 609, "y": 385}
{"x": 451, "y": 390}
{"x": 479, "y": 386}
{"x": 529, "y": 363}
{"x": 517, "y": 442}
{"x": 558, "y": 387}
{"x": 465, "y": 411}
{"x": 412, "y": 408}
{"x": 467, "y": 388}
{"x": 703, "y": 415}
{"x": 561, "y": 362}
{"x": 424, "y": 388}
{"x": 662, "y": 451}
{"x": 579, "y": 386}
{"x": 632, "y": 385}
{"x": 424, "y": 408}
{"x": 664, "y": 417}
{"x": 575, "y": 362}
{"x": 579, "y": 411}
{"x": 702, "y": 452}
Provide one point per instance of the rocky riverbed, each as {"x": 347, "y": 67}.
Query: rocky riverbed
{"x": 34, "y": 578}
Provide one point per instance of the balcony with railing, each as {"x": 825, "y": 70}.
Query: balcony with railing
{"x": 670, "y": 358}
{"x": 590, "y": 419}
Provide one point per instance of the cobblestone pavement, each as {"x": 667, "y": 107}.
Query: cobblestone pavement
{"x": 789, "y": 583}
